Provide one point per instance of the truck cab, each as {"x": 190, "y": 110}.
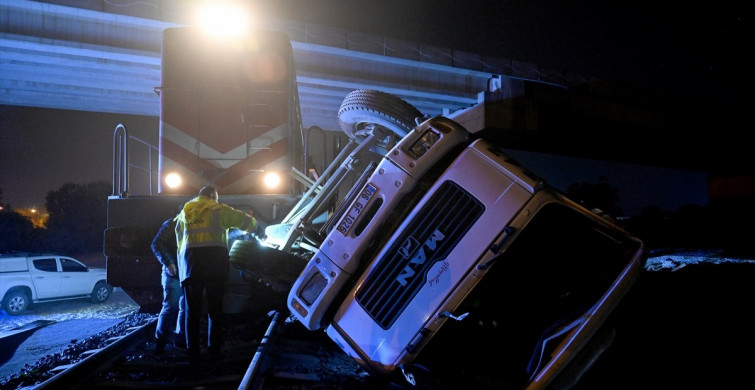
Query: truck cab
{"x": 450, "y": 240}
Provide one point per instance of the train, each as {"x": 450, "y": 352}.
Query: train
{"x": 229, "y": 117}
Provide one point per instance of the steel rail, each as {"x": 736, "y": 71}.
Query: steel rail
{"x": 78, "y": 373}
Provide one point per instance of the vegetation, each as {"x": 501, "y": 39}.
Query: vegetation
{"x": 723, "y": 224}
{"x": 76, "y": 219}
{"x": 596, "y": 196}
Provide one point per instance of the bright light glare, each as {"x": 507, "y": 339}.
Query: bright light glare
{"x": 272, "y": 179}
{"x": 173, "y": 180}
{"x": 223, "y": 19}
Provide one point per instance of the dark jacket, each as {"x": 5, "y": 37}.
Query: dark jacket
{"x": 164, "y": 245}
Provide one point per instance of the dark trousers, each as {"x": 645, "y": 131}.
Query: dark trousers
{"x": 207, "y": 278}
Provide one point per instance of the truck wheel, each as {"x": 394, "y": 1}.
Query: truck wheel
{"x": 101, "y": 292}
{"x": 363, "y": 109}
{"x": 274, "y": 268}
{"x": 16, "y": 302}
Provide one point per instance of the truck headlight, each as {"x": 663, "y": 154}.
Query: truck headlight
{"x": 312, "y": 289}
{"x": 424, "y": 143}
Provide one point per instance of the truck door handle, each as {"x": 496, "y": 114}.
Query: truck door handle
{"x": 496, "y": 247}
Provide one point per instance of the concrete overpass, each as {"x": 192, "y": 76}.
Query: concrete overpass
{"x": 105, "y": 57}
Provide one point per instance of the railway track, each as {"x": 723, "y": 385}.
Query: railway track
{"x": 268, "y": 353}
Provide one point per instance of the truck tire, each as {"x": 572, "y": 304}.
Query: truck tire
{"x": 101, "y": 292}
{"x": 363, "y": 109}
{"x": 274, "y": 268}
{"x": 16, "y": 302}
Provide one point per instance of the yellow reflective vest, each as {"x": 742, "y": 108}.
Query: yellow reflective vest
{"x": 204, "y": 222}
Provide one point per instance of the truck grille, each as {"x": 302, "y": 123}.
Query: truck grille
{"x": 428, "y": 238}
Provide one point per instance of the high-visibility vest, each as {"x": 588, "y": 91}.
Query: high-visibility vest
{"x": 204, "y": 222}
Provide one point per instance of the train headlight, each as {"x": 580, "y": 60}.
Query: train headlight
{"x": 173, "y": 180}
{"x": 224, "y": 19}
{"x": 272, "y": 180}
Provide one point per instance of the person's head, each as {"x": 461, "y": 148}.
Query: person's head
{"x": 210, "y": 192}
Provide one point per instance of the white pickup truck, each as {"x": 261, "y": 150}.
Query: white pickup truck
{"x": 27, "y": 278}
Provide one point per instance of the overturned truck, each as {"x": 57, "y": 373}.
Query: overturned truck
{"x": 446, "y": 246}
{"x": 421, "y": 243}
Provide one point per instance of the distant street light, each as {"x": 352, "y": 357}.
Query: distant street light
{"x": 37, "y": 218}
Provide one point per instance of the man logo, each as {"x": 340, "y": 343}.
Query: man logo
{"x": 407, "y": 247}
{"x": 419, "y": 258}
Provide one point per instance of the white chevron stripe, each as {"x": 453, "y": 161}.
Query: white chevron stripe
{"x": 241, "y": 186}
{"x": 190, "y": 178}
{"x": 222, "y": 160}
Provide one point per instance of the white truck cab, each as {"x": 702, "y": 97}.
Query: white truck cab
{"x": 451, "y": 238}
{"x": 387, "y": 190}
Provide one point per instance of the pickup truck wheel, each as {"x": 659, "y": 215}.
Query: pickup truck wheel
{"x": 16, "y": 302}
{"x": 363, "y": 109}
{"x": 101, "y": 292}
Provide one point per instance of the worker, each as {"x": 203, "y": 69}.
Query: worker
{"x": 170, "y": 321}
{"x": 202, "y": 237}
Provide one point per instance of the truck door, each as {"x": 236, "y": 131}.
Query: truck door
{"x": 75, "y": 278}
{"x": 45, "y": 276}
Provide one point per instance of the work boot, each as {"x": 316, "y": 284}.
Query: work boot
{"x": 179, "y": 341}
{"x": 194, "y": 356}
{"x": 160, "y": 346}
{"x": 194, "y": 360}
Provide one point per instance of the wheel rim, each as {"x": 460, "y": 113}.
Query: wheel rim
{"x": 384, "y": 145}
{"x": 16, "y": 304}
{"x": 364, "y": 110}
{"x": 102, "y": 293}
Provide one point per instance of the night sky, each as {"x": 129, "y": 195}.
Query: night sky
{"x": 42, "y": 149}
{"x": 698, "y": 50}
{"x": 695, "y": 49}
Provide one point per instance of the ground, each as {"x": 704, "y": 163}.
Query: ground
{"x": 65, "y": 323}
{"x": 684, "y": 324}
